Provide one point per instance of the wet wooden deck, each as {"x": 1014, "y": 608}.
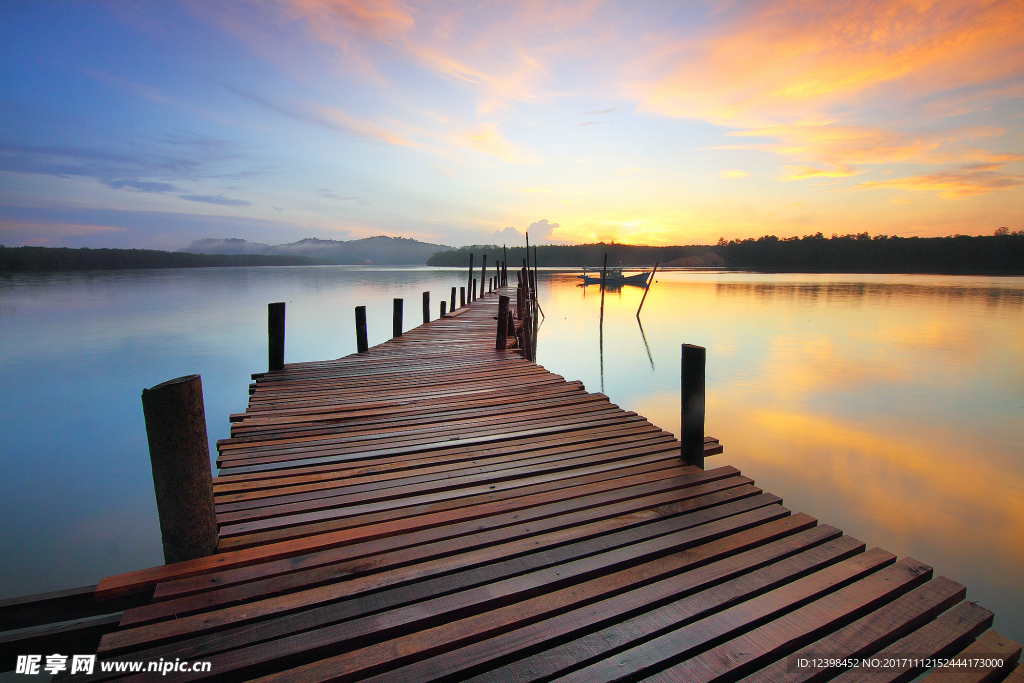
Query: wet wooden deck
{"x": 434, "y": 510}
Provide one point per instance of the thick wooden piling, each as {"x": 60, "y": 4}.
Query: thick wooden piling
{"x": 452, "y": 306}
{"x": 362, "y": 345}
{"x": 275, "y": 335}
{"x": 501, "y": 341}
{"x": 474, "y": 290}
{"x": 396, "y": 322}
{"x": 426, "y": 307}
{"x": 180, "y": 456}
{"x": 443, "y": 308}
{"x": 692, "y": 408}
{"x": 462, "y": 297}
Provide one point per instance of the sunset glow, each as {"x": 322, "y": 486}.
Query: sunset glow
{"x": 153, "y": 124}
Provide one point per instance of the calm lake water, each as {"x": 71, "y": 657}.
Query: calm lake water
{"x": 890, "y": 406}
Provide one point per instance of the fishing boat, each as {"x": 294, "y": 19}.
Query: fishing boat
{"x": 613, "y": 277}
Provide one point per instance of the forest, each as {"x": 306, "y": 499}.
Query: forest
{"x": 63, "y": 258}
{"x": 1000, "y": 253}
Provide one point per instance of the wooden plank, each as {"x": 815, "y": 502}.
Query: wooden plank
{"x": 785, "y": 560}
{"x": 944, "y": 636}
{"x": 627, "y": 548}
{"x": 975, "y": 664}
{"x": 82, "y": 635}
{"x": 867, "y": 635}
{"x": 567, "y": 593}
{"x": 380, "y": 555}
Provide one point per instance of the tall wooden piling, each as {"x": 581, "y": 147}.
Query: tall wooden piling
{"x": 396, "y": 322}
{"x": 426, "y": 307}
{"x": 180, "y": 456}
{"x": 483, "y": 275}
{"x": 361, "y": 340}
{"x": 452, "y": 307}
{"x": 275, "y": 335}
{"x": 527, "y": 336}
{"x": 469, "y": 281}
{"x": 462, "y": 297}
{"x": 501, "y": 341}
{"x": 692, "y": 409}
{"x": 474, "y": 290}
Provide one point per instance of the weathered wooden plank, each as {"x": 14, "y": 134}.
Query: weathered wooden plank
{"x": 972, "y": 665}
{"x": 944, "y": 636}
{"x": 867, "y": 635}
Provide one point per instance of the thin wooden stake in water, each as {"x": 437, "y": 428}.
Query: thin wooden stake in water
{"x": 180, "y": 455}
{"x": 469, "y": 280}
{"x": 426, "y": 307}
{"x": 504, "y": 266}
{"x": 275, "y": 335}
{"x": 648, "y": 288}
{"x": 692, "y": 412}
{"x": 604, "y": 272}
{"x": 483, "y": 275}
{"x": 396, "y": 324}
{"x": 361, "y": 342}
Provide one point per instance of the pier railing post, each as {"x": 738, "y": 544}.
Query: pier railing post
{"x": 462, "y": 297}
{"x": 180, "y": 456}
{"x": 396, "y": 324}
{"x": 452, "y": 307}
{"x": 527, "y": 336}
{"x": 362, "y": 345}
{"x": 502, "y": 336}
{"x": 426, "y": 307}
{"x": 275, "y": 335}
{"x": 692, "y": 412}
{"x": 474, "y": 290}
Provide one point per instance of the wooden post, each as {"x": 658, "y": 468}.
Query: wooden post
{"x": 396, "y": 324}
{"x": 452, "y": 307}
{"x": 361, "y": 343}
{"x": 469, "y": 282}
{"x": 604, "y": 272}
{"x": 527, "y": 336}
{"x": 426, "y": 307}
{"x": 502, "y": 339}
{"x": 275, "y": 335}
{"x": 483, "y": 275}
{"x": 180, "y": 456}
{"x": 474, "y": 290}
{"x": 647, "y": 289}
{"x": 504, "y": 264}
{"x": 692, "y": 414}
{"x": 462, "y": 297}
{"x": 442, "y": 308}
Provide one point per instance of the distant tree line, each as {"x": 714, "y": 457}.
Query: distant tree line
{"x": 575, "y": 255}
{"x": 62, "y": 258}
{"x": 1000, "y": 253}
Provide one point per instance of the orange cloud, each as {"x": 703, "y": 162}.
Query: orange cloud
{"x": 794, "y": 60}
{"x": 733, "y": 173}
{"x": 486, "y": 138}
{"x": 953, "y": 184}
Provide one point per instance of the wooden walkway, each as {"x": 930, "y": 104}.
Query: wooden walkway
{"x": 434, "y": 510}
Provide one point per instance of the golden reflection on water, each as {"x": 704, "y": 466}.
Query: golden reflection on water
{"x": 889, "y": 406}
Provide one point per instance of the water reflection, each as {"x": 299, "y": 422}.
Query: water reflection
{"x": 889, "y": 406}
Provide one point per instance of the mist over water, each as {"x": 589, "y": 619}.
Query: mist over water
{"x": 890, "y": 406}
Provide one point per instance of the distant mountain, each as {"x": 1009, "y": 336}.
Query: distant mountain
{"x": 382, "y": 251}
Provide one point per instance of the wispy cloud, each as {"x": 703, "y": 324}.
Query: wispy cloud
{"x": 732, "y": 173}
{"x": 215, "y": 199}
{"x": 957, "y": 183}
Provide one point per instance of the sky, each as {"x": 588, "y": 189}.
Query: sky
{"x": 152, "y": 124}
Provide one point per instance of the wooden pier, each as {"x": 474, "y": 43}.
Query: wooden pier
{"x": 436, "y": 510}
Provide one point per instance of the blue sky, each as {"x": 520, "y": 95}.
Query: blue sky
{"x": 151, "y": 124}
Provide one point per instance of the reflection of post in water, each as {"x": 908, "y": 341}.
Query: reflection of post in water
{"x": 644, "y": 337}
{"x": 604, "y": 271}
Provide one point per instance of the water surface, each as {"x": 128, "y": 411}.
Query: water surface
{"x": 889, "y": 406}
